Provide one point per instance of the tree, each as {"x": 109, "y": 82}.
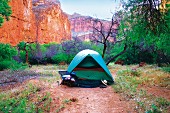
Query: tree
{"x": 105, "y": 34}
{"x": 5, "y": 11}
{"x": 24, "y": 47}
{"x": 146, "y": 22}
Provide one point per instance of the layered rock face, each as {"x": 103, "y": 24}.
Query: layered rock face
{"x": 51, "y": 22}
{"x": 40, "y": 21}
{"x": 21, "y": 25}
{"x": 82, "y": 27}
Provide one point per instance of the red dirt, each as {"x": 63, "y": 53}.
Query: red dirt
{"x": 159, "y": 91}
{"x": 90, "y": 100}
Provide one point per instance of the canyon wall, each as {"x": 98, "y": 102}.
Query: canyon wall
{"x": 82, "y": 27}
{"x": 40, "y": 21}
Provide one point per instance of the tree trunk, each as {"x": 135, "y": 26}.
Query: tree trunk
{"x": 104, "y": 50}
{"x": 26, "y": 56}
{"x": 113, "y": 58}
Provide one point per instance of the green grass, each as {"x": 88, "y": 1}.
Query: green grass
{"x": 30, "y": 97}
{"x": 64, "y": 103}
{"x": 22, "y": 101}
{"x": 128, "y": 82}
{"x": 166, "y": 69}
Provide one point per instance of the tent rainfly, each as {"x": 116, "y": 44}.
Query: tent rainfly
{"x": 89, "y": 65}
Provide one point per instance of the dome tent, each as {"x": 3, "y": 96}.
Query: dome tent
{"x": 89, "y": 65}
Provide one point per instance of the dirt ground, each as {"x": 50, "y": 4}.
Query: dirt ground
{"x": 159, "y": 92}
{"x": 91, "y": 100}
{"x": 85, "y": 100}
{"x": 88, "y": 100}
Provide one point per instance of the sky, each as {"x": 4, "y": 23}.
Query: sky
{"x": 102, "y": 9}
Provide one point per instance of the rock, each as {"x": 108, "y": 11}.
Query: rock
{"x": 53, "y": 24}
{"x": 141, "y": 64}
{"x": 120, "y": 62}
{"x": 37, "y": 20}
{"x": 82, "y": 26}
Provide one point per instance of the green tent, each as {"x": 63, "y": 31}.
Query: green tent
{"x": 89, "y": 65}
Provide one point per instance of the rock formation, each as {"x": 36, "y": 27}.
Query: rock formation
{"x": 40, "y": 21}
{"x": 53, "y": 25}
{"x": 82, "y": 26}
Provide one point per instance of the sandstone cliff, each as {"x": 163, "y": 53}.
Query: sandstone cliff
{"x": 82, "y": 26}
{"x": 37, "y": 20}
{"x": 52, "y": 23}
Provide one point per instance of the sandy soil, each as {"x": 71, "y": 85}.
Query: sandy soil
{"x": 91, "y": 100}
{"x": 88, "y": 100}
{"x": 159, "y": 92}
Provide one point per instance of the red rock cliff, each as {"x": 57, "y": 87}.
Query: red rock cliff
{"x": 53, "y": 25}
{"x": 40, "y": 20}
{"x": 82, "y": 26}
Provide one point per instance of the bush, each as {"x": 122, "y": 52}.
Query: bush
{"x": 130, "y": 72}
{"x": 166, "y": 69}
{"x": 62, "y": 57}
{"x": 7, "y": 52}
{"x": 6, "y": 57}
{"x": 52, "y": 52}
{"x": 11, "y": 64}
{"x": 4, "y": 64}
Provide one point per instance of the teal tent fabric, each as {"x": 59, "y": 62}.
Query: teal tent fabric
{"x": 89, "y": 58}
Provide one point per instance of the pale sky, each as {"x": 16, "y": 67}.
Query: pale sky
{"x": 96, "y": 8}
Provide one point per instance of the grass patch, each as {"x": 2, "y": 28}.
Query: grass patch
{"x": 128, "y": 81}
{"x": 65, "y": 102}
{"x": 60, "y": 108}
{"x": 166, "y": 69}
{"x": 28, "y": 99}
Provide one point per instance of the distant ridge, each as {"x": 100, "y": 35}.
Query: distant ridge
{"x": 82, "y": 26}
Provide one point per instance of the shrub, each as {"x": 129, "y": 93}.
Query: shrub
{"x": 62, "y": 57}
{"x": 51, "y": 50}
{"x": 166, "y": 69}
{"x": 4, "y": 64}
{"x": 7, "y": 52}
{"x": 6, "y": 57}
{"x": 130, "y": 72}
{"x": 11, "y": 64}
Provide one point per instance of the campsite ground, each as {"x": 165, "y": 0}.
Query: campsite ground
{"x": 39, "y": 87}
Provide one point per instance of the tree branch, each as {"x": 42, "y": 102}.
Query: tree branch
{"x": 113, "y": 58}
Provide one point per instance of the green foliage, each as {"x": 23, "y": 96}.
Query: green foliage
{"x": 162, "y": 102}
{"x": 11, "y": 64}
{"x": 97, "y": 47}
{"x": 5, "y": 64}
{"x": 147, "y": 27}
{"x": 21, "y": 46}
{"x": 166, "y": 69}
{"x": 5, "y": 11}
{"x": 16, "y": 106}
{"x": 6, "y": 60}
{"x": 130, "y": 72}
{"x": 19, "y": 101}
{"x": 7, "y": 52}
{"x": 60, "y": 108}
{"x": 52, "y": 52}
{"x": 66, "y": 101}
{"x": 138, "y": 53}
{"x": 127, "y": 82}
{"x": 154, "y": 109}
{"x": 62, "y": 57}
